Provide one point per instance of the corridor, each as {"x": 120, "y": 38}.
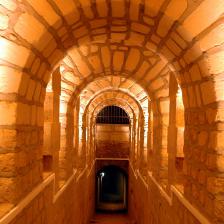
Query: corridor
{"x": 112, "y": 106}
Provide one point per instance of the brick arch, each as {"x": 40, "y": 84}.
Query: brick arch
{"x": 53, "y": 20}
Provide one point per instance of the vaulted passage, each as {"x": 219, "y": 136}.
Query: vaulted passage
{"x": 111, "y": 106}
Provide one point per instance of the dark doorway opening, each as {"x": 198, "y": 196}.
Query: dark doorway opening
{"x": 111, "y": 189}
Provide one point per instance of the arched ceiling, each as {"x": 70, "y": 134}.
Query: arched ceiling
{"x": 112, "y": 83}
{"x": 36, "y": 36}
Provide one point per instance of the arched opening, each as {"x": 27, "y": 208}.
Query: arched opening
{"x": 112, "y": 133}
{"x": 111, "y": 189}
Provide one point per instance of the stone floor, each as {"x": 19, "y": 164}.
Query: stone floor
{"x": 111, "y": 219}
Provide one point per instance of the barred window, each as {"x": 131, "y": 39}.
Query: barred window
{"x": 112, "y": 115}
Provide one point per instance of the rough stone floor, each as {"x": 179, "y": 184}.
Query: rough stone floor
{"x": 111, "y": 219}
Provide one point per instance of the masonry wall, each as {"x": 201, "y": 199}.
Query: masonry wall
{"x": 112, "y": 141}
{"x": 74, "y": 205}
{"x": 148, "y": 205}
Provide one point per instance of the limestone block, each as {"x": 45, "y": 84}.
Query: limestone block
{"x": 193, "y": 53}
{"x": 133, "y": 59}
{"x": 96, "y": 63}
{"x": 102, "y": 8}
{"x": 135, "y": 39}
{"x": 69, "y": 10}
{"x": 98, "y": 23}
{"x": 10, "y": 80}
{"x": 3, "y": 22}
{"x": 32, "y": 30}
{"x": 8, "y": 111}
{"x": 10, "y": 5}
{"x": 215, "y": 185}
{"x": 138, "y": 27}
{"x": 173, "y": 47}
{"x": 208, "y": 92}
{"x": 86, "y": 5}
{"x": 213, "y": 38}
{"x": 167, "y": 53}
{"x": 207, "y": 12}
{"x": 81, "y": 65}
{"x": 118, "y": 59}
{"x": 179, "y": 40}
{"x": 192, "y": 97}
{"x": 8, "y": 138}
{"x": 31, "y": 89}
{"x": 173, "y": 11}
{"x": 216, "y": 62}
{"x": 156, "y": 84}
{"x": 13, "y": 53}
{"x": 81, "y": 31}
{"x": 216, "y": 140}
{"x": 155, "y": 70}
{"x": 134, "y": 9}
{"x": 195, "y": 73}
{"x": 46, "y": 11}
{"x": 152, "y": 7}
{"x": 118, "y": 8}
{"x": 7, "y": 190}
{"x": 52, "y": 45}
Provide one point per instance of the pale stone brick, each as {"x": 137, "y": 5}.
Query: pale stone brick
{"x": 102, "y": 8}
{"x": 216, "y": 140}
{"x": 192, "y": 54}
{"x": 173, "y": 11}
{"x": 195, "y": 73}
{"x": 207, "y": 12}
{"x": 3, "y": 22}
{"x": 32, "y": 30}
{"x": 81, "y": 31}
{"x": 45, "y": 10}
{"x": 8, "y": 113}
{"x": 156, "y": 84}
{"x": 81, "y": 65}
{"x": 13, "y": 53}
{"x": 37, "y": 92}
{"x": 8, "y": 138}
{"x": 55, "y": 57}
{"x": 10, "y": 5}
{"x": 10, "y": 79}
{"x": 86, "y": 5}
{"x": 118, "y": 59}
{"x": 98, "y": 23}
{"x": 192, "y": 97}
{"x": 96, "y": 63}
{"x": 138, "y": 27}
{"x": 30, "y": 90}
{"x": 135, "y": 39}
{"x": 50, "y": 48}
{"x": 118, "y": 36}
{"x": 118, "y": 8}
{"x": 155, "y": 70}
{"x": 213, "y": 38}
{"x": 173, "y": 47}
{"x": 167, "y": 54}
{"x": 134, "y": 9}
{"x": 133, "y": 59}
{"x": 69, "y": 10}
{"x": 216, "y": 62}
{"x": 152, "y": 7}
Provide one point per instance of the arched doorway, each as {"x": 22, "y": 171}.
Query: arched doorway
{"x": 111, "y": 189}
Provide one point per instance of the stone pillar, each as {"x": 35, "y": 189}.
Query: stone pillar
{"x": 52, "y": 126}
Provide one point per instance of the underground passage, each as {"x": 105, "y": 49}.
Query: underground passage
{"x": 111, "y": 111}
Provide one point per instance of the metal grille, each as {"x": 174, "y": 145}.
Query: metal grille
{"x": 112, "y": 115}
